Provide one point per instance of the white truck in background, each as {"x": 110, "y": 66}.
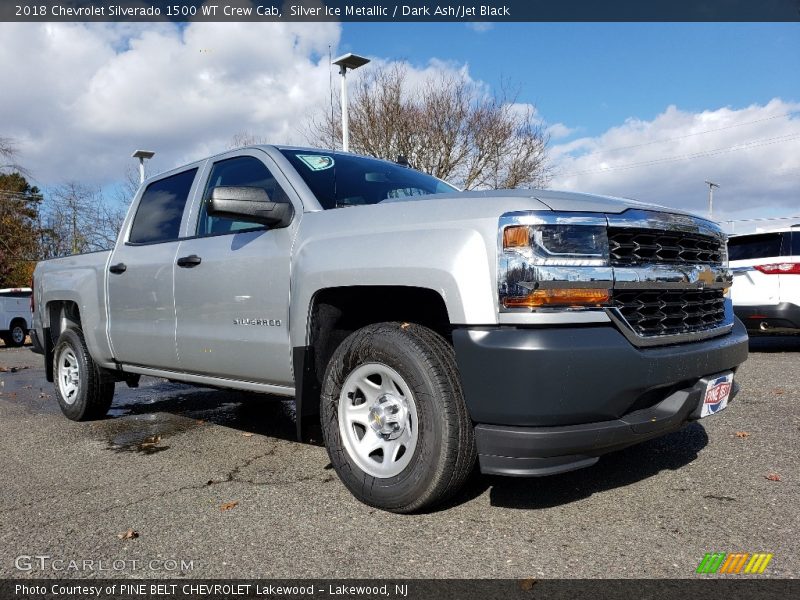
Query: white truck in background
{"x": 15, "y": 315}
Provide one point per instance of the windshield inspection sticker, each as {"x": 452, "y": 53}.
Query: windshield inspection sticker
{"x": 316, "y": 162}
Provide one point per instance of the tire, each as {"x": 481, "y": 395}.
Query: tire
{"x": 83, "y": 393}
{"x": 394, "y": 420}
{"x": 16, "y": 335}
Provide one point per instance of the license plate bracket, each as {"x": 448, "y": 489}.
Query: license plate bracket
{"x": 716, "y": 395}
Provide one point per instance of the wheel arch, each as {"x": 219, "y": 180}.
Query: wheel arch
{"x": 336, "y": 312}
{"x": 59, "y": 315}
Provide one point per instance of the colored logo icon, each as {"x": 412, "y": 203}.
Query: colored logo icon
{"x": 734, "y": 563}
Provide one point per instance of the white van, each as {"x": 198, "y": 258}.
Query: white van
{"x": 15, "y": 315}
{"x": 766, "y": 280}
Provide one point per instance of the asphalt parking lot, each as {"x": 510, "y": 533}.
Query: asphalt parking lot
{"x": 215, "y": 480}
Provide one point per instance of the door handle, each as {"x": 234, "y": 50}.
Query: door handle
{"x": 119, "y": 268}
{"x": 188, "y": 262}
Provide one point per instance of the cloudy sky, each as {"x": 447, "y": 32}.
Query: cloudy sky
{"x": 642, "y": 110}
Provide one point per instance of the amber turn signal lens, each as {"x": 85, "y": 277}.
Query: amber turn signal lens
{"x": 560, "y": 297}
{"x": 516, "y": 236}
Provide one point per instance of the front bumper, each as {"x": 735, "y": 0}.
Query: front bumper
{"x": 554, "y": 399}
{"x": 775, "y": 318}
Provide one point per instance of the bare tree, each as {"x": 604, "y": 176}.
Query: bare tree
{"x": 127, "y": 188}
{"x": 446, "y": 126}
{"x": 246, "y": 138}
{"x": 8, "y": 153}
{"x": 75, "y": 218}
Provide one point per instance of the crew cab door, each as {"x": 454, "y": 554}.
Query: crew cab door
{"x": 232, "y": 289}
{"x": 140, "y": 279}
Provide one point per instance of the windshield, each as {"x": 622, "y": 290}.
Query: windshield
{"x": 339, "y": 180}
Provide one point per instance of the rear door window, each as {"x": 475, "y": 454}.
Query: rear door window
{"x": 761, "y": 245}
{"x": 158, "y": 217}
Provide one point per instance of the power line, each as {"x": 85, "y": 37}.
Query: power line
{"x": 703, "y": 154}
{"x": 762, "y": 219}
{"x": 19, "y": 196}
{"x": 688, "y": 135}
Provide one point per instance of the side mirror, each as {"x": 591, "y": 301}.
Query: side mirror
{"x": 251, "y": 204}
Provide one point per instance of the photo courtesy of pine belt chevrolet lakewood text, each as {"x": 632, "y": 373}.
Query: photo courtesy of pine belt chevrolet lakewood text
{"x": 422, "y": 328}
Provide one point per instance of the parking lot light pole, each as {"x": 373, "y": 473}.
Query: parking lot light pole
{"x": 347, "y": 61}
{"x": 142, "y": 155}
{"x": 711, "y": 185}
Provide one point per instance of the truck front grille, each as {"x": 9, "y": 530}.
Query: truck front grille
{"x": 631, "y": 246}
{"x": 670, "y": 312}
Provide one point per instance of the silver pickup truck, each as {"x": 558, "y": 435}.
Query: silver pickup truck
{"x": 422, "y": 328}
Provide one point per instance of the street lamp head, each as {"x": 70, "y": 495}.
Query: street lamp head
{"x": 712, "y": 184}
{"x": 143, "y": 154}
{"x": 350, "y": 61}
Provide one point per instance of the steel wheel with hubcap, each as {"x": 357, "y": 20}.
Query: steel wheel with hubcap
{"x": 394, "y": 419}
{"x": 378, "y": 420}
{"x": 83, "y": 390}
{"x": 68, "y": 375}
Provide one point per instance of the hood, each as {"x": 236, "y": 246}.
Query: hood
{"x": 558, "y": 201}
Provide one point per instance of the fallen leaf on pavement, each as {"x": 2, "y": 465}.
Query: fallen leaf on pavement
{"x": 742, "y": 434}
{"x": 229, "y": 505}
{"x": 246, "y": 434}
{"x": 128, "y": 535}
{"x": 772, "y": 477}
{"x": 526, "y": 585}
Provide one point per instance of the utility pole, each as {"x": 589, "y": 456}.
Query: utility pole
{"x": 711, "y": 185}
{"x": 73, "y": 203}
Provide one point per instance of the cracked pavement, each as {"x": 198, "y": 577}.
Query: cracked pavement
{"x": 170, "y": 456}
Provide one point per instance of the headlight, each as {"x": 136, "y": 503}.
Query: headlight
{"x": 554, "y": 261}
{"x": 573, "y": 245}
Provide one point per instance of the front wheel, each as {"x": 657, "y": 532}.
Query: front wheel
{"x": 82, "y": 391}
{"x": 393, "y": 417}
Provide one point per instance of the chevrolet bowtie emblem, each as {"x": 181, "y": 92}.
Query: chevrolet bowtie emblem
{"x": 705, "y": 276}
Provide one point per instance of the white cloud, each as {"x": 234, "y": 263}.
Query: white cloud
{"x": 480, "y": 26}
{"x": 753, "y": 153}
{"x": 85, "y": 95}
{"x": 419, "y": 77}
{"x": 559, "y": 131}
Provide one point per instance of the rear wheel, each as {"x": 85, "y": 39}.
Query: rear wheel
{"x": 16, "y": 335}
{"x": 394, "y": 419}
{"x": 82, "y": 390}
